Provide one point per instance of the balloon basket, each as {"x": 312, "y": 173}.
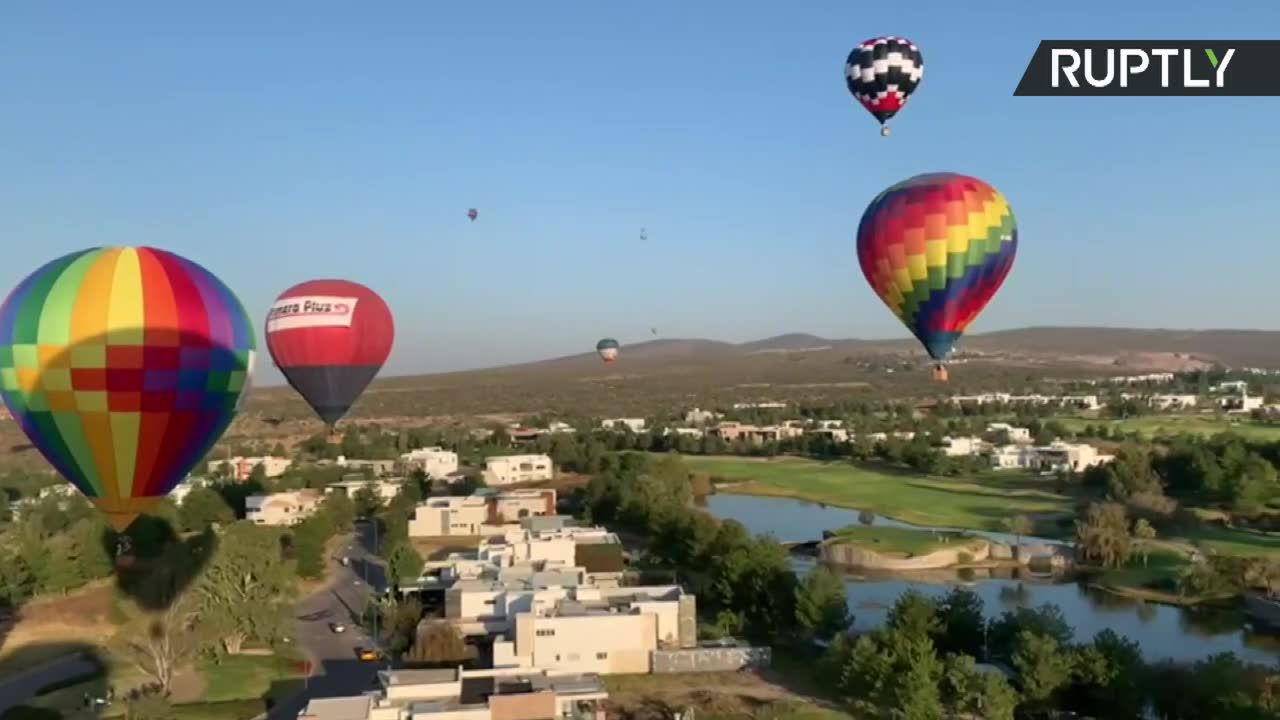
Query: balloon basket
{"x": 940, "y": 374}
{"x": 884, "y": 131}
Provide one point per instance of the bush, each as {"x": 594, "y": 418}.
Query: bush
{"x": 964, "y": 557}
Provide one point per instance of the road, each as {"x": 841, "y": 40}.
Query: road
{"x": 20, "y": 688}
{"x": 338, "y": 670}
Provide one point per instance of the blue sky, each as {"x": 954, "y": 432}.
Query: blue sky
{"x": 277, "y": 142}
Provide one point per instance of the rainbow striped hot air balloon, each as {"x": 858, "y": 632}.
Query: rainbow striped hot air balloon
{"x": 936, "y": 248}
{"x": 124, "y": 366}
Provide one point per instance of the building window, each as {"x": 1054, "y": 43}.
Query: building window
{"x": 602, "y": 656}
{"x": 547, "y": 633}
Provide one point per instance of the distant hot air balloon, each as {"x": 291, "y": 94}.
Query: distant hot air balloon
{"x": 882, "y": 73}
{"x": 936, "y": 248}
{"x": 124, "y": 366}
{"x": 608, "y": 349}
{"x": 329, "y": 338}
{"x": 473, "y": 214}
{"x": 643, "y": 235}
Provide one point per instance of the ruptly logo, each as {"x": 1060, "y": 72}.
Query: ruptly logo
{"x": 1153, "y": 67}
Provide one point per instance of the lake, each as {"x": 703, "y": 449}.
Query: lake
{"x": 1162, "y": 631}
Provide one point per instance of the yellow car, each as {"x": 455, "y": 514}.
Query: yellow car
{"x": 368, "y": 654}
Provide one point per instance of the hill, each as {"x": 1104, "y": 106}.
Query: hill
{"x": 667, "y": 374}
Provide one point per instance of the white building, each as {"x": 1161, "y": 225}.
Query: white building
{"x": 760, "y": 406}
{"x": 239, "y": 468}
{"x": 511, "y": 469}
{"x": 635, "y": 425}
{"x": 434, "y": 461}
{"x": 1013, "y": 457}
{"x": 286, "y": 508}
{"x": 385, "y": 489}
{"x": 1234, "y": 386}
{"x": 480, "y": 514}
{"x": 1173, "y": 402}
{"x": 180, "y": 492}
{"x": 1016, "y": 434}
{"x": 556, "y": 426}
{"x": 1241, "y": 403}
{"x": 961, "y": 446}
{"x": 698, "y": 416}
{"x": 1058, "y": 455}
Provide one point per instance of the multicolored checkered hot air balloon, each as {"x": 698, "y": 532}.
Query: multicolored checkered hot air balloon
{"x": 936, "y": 248}
{"x": 124, "y": 366}
{"x": 882, "y": 73}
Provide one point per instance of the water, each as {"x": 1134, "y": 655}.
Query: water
{"x": 1162, "y": 631}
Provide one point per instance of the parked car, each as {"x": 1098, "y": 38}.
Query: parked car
{"x": 368, "y": 654}
{"x": 337, "y": 627}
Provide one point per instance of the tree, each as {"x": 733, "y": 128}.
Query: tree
{"x": 341, "y": 510}
{"x": 1044, "y": 620}
{"x": 405, "y": 562}
{"x": 822, "y": 605}
{"x": 866, "y": 517}
{"x": 1019, "y": 525}
{"x": 202, "y": 508}
{"x": 467, "y": 485}
{"x": 309, "y": 538}
{"x": 1042, "y": 666}
{"x": 1107, "y": 677}
{"x": 1144, "y": 534}
{"x": 243, "y": 591}
{"x": 963, "y": 628}
{"x": 915, "y": 615}
{"x": 969, "y": 692}
{"x": 1104, "y": 534}
{"x": 164, "y": 643}
{"x": 367, "y": 501}
{"x": 438, "y": 642}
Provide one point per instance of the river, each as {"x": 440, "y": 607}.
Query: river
{"x": 1162, "y": 631}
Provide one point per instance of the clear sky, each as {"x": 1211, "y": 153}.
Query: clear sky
{"x": 278, "y": 142}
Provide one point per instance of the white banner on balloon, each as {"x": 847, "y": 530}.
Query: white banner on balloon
{"x": 311, "y": 311}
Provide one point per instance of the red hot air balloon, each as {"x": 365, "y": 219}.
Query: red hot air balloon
{"x": 329, "y": 338}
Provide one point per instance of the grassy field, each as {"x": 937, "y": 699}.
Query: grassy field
{"x": 1234, "y": 542}
{"x": 976, "y": 503}
{"x": 899, "y": 540}
{"x": 1152, "y": 425}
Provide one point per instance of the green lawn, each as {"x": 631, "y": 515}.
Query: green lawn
{"x": 241, "y": 677}
{"x": 1151, "y": 425}
{"x": 1234, "y": 542}
{"x": 900, "y": 540}
{"x": 974, "y": 503}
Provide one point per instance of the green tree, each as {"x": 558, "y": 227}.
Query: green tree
{"x": 1103, "y": 536}
{"x": 309, "y": 538}
{"x": 1043, "y": 666}
{"x": 1107, "y": 678}
{"x": 341, "y": 511}
{"x": 91, "y": 554}
{"x": 202, "y": 508}
{"x": 245, "y": 588}
{"x": 1144, "y": 533}
{"x": 967, "y": 691}
{"x": 915, "y": 615}
{"x": 822, "y": 605}
{"x": 963, "y": 629}
{"x": 1045, "y": 620}
{"x": 405, "y": 562}
{"x": 367, "y": 501}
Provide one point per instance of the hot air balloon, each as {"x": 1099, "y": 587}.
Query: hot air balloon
{"x": 608, "y": 349}
{"x": 936, "y": 248}
{"x": 329, "y": 338}
{"x": 124, "y": 366}
{"x": 882, "y": 73}
{"x": 473, "y": 214}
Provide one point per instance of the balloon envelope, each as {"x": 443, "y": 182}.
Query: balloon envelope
{"x": 124, "y": 366}
{"x": 936, "y": 248}
{"x": 608, "y": 349}
{"x": 473, "y": 214}
{"x": 882, "y": 73}
{"x": 330, "y": 339}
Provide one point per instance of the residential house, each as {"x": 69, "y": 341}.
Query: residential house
{"x": 1017, "y": 435}
{"x": 385, "y": 489}
{"x": 1241, "y": 403}
{"x": 285, "y": 508}
{"x": 1173, "y": 402}
{"x": 1013, "y": 457}
{"x": 511, "y": 469}
{"x": 377, "y": 467}
{"x": 482, "y": 513}
{"x": 436, "y": 462}
{"x": 698, "y": 416}
{"x": 961, "y": 446}
{"x": 239, "y": 468}
{"x": 760, "y": 406}
{"x": 1076, "y": 457}
{"x": 458, "y": 694}
{"x": 635, "y": 425}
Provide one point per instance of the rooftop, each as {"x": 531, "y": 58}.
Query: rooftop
{"x": 392, "y": 678}
{"x": 338, "y": 708}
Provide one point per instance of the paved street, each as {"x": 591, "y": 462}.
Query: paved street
{"x": 17, "y": 689}
{"x": 338, "y": 671}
